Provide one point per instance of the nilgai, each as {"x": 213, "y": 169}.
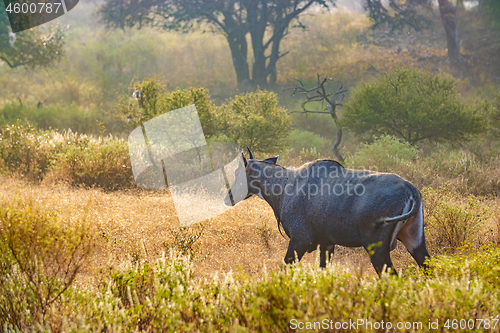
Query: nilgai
{"x": 324, "y": 204}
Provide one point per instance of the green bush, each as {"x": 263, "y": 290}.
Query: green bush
{"x": 155, "y": 100}
{"x": 40, "y": 256}
{"x": 256, "y": 121}
{"x": 165, "y": 296}
{"x": 384, "y": 154}
{"x": 414, "y": 106}
{"x": 469, "y": 262}
{"x": 300, "y": 139}
{"x": 250, "y": 120}
{"x": 77, "y": 159}
{"x": 104, "y": 162}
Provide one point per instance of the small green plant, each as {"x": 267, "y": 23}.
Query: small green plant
{"x": 103, "y": 162}
{"x": 266, "y": 234}
{"x": 384, "y": 154}
{"x": 185, "y": 241}
{"x": 300, "y": 139}
{"x": 256, "y": 121}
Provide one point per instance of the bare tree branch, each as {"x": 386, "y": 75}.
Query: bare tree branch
{"x": 319, "y": 93}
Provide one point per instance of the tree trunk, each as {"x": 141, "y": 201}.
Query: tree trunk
{"x": 335, "y": 146}
{"x": 236, "y": 38}
{"x": 449, "y": 18}
{"x": 239, "y": 52}
{"x": 275, "y": 54}
{"x": 258, "y": 19}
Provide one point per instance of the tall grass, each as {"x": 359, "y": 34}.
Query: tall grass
{"x": 164, "y": 296}
{"x": 40, "y": 256}
{"x": 77, "y": 159}
{"x": 235, "y": 279}
{"x": 79, "y": 119}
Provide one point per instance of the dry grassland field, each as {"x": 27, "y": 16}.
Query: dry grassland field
{"x": 139, "y": 225}
{"x": 86, "y": 100}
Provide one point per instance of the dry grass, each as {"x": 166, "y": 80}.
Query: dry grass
{"x": 135, "y": 224}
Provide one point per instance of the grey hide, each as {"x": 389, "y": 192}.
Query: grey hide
{"x": 324, "y": 204}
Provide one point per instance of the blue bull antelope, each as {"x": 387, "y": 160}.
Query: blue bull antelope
{"x": 324, "y": 204}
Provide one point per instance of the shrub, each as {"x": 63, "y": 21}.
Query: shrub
{"x": 414, "y": 106}
{"x": 61, "y": 117}
{"x": 153, "y": 99}
{"x": 300, "y": 139}
{"x": 40, "y": 256}
{"x": 24, "y": 150}
{"x": 103, "y": 162}
{"x": 74, "y": 158}
{"x": 165, "y": 296}
{"x": 256, "y": 121}
{"x": 469, "y": 262}
{"x": 451, "y": 220}
{"x": 250, "y": 120}
{"x": 384, "y": 154}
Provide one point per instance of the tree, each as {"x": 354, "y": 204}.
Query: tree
{"x": 30, "y": 48}
{"x": 267, "y": 22}
{"x": 414, "y": 106}
{"x": 490, "y": 9}
{"x": 404, "y": 13}
{"x": 319, "y": 93}
{"x": 250, "y": 120}
{"x": 449, "y": 17}
{"x": 151, "y": 99}
{"x": 256, "y": 121}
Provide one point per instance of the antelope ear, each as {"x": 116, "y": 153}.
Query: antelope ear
{"x": 272, "y": 160}
{"x": 244, "y": 159}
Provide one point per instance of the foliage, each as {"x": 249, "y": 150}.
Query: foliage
{"x": 469, "y": 262}
{"x": 166, "y": 296}
{"x": 300, "y": 139}
{"x": 415, "y": 106}
{"x": 250, "y": 120}
{"x": 32, "y": 47}
{"x": 61, "y": 117}
{"x": 256, "y": 121}
{"x": 103, "y": 162}
{"x": 73, "y": 158}
{"x": 399, "y": 15}
{"x": 494, "y": 117}
{"x": 24, "y": 150}
{"x": 40, "y": 256}
{"x": 450, "y": 220}
{"x": 155, "y": 100}
{"x": 185, "y": 242}
{"x": 491, "y": 10}
{"x": 383, "y": 154}
{"x": 235, "y": 19}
